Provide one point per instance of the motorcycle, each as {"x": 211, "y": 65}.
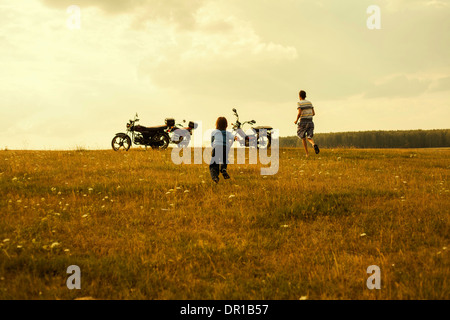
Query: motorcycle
{"x": 255, "y": 139}
{"x": 180, "y": 134}
{"x": 154, "y": 137}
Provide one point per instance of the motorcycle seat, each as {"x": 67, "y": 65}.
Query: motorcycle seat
{"x": 263, "y": 127}
{"x": 156, "y": 128}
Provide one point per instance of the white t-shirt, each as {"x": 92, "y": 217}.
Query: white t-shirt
{"x": 221, "y": 138}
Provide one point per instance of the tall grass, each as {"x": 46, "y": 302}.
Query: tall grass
{"x": 141, "y": 227}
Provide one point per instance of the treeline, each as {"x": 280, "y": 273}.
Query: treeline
{"x": 377, "y": 139}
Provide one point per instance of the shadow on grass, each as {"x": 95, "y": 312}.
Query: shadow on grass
{"x": 339, "y": 204}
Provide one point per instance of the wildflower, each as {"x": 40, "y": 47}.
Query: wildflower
{"x": 303, "y": 298}
{"x": 54, "y": 244}
{"x": 363, "y": 235}
{"x": 6, "y": 240}
{"x": 186, "y": 191}
{"x": 231, "y": 196}
{"x": 84, "y": 215}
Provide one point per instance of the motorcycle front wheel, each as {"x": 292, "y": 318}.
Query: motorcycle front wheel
{"x": 184, "y": 142}
{"x": 121, "y": 142}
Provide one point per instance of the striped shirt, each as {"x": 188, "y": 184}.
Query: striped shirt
{"x": 307, "y": 109}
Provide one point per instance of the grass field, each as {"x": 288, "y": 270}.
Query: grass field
{"x": 141, "y": 227}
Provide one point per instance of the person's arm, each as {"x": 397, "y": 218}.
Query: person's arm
{"x": 298, "y": 115}
{"x": 314, "y": 113}
{"x": 212, "y": 138}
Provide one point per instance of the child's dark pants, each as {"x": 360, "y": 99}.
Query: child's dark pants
{"x": 219, "y": 161}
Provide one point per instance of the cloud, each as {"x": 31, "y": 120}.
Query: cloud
{"x": 224, "y": 57}
{"x": 413, "y": 5}
{"x": 179, "y": 12}
{"x": 441, "y": 84}
{"x": 399, "y": 86}
{"x": 407, "y": 85}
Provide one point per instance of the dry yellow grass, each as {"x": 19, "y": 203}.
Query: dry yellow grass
{"x": 140, "y": 227}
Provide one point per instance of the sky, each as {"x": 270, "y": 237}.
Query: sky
{"x": 65, "y": 88}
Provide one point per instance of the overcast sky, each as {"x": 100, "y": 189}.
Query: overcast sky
{"x": 198, "y": 59}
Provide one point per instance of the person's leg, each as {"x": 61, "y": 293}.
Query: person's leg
{"x": 305, "y": 146}
{"x": 301, "y": 133}
{"x": 309, "y": 136}
{"x": 224, "y": 165}
{"x": 214, "y": 167}
{"x": 311, "y": 141}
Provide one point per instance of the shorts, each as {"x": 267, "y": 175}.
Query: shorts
{"x": 305, "y": 129}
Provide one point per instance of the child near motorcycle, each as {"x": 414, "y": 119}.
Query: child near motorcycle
{"x": 221, "y": 141}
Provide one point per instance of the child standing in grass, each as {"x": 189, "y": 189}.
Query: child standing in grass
{"x": 221, "y": 141}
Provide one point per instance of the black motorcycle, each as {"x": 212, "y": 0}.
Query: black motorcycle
{"x": 180, "y": 134}
{"x": 254, "y": 139}
{"x": 154, "y": 137}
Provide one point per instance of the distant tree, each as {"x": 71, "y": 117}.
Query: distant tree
{"x": 437, "y": 138}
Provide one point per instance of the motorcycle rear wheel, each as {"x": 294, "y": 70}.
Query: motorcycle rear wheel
{"x": 163, "y": 140}
{"x": 121, "y": 142}
{"x": 264, "y": 142}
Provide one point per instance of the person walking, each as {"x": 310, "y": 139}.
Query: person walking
{"x": 221, "y": 141}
